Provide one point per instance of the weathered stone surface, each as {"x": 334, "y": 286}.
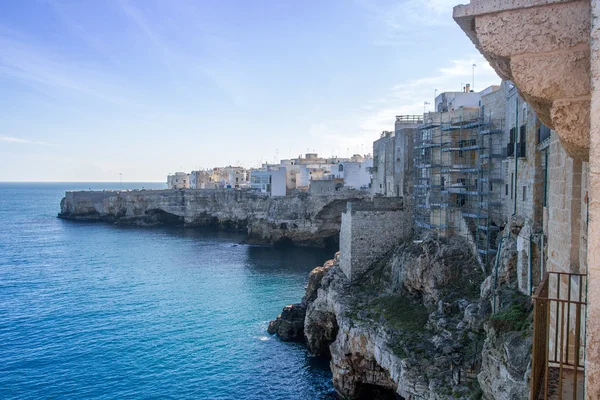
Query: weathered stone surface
{"x": 289, "y": 325}
{"x": 303, "y": 218}
{"x": 564, "y": 81}
{"x": 527, "y": 30}
{"x": 544, "y": 47}
{"x": 414, "y": 326}
{"x": 506, "y": 358}
{"x": 367, "y": 235}
{"x": 572, "y": 119}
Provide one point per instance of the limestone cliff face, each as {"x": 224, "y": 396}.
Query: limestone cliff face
{"x": 302, "y": 218}
{"x": 416, "y": 327}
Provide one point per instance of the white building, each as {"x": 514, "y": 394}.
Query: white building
{"x": 449, "y": 101}
{"x": 269, "y": 180}
{"x": 180, "y": 180}
{"x": 356, "y": 174}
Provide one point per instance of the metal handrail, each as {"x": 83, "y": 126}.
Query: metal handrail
{"x": 559, "y": 323}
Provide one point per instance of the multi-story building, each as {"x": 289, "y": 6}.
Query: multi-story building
{"x": 179, "y": 180}
{"x": 457, "y": 169}
{"x": 383, "y": 162}
{"x": 392, "y": 158}
{"x": 355, "y": 174}
{"x": 271, "y": 180}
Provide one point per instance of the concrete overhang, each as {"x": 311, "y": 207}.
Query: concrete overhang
{"x": 543, "y": 47}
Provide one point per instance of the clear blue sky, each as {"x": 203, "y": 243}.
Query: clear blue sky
{"x": 89, "y": 89}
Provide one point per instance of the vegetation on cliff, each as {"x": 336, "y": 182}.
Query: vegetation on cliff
{"x": 419, "y": 324}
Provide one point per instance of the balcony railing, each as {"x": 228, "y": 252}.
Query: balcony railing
{"x": 558, "y": 354}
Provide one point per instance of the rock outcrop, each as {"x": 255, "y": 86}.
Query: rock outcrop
{"x": 416, "y": 327}
{"x": 289, "y": 325}
{"x": 301, "y": 218}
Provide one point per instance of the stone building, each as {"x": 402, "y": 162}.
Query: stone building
{"x": 382, "y": 182}
{"x": 404, "y": 133}
{"x": 551, "y": 51}
{"x": 392, "y": 158}
{"x": 199, "y": 179}
{"x": 369, "y": 231}
{"x": 179, "y": 180}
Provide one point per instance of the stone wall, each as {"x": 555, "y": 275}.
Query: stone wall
{"x": 368, "y": 233}
{"x": 566, "y": 202}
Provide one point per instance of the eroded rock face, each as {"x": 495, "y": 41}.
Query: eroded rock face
{"x": 415, "y": 327}
{"x": 505, "y": 365}
{"x": 289, "y": 325}
{"x": 387, "y": 339}
{"x": 303, "y": 219}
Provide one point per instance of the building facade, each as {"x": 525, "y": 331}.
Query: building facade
{"x": 179, "y": 180}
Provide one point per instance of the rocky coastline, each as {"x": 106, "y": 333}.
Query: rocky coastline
{"x": 303, "y": 219}
{"x": 418, "y": 325}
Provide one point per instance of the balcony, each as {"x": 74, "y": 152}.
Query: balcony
{"x": 558, "y": 354}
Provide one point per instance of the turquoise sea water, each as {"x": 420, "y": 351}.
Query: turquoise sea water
{"x": 94, "y": 311}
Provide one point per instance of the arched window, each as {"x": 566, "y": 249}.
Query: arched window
{"x": 341, "y": 168}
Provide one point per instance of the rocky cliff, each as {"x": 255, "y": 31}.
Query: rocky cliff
{"x": 417, "y": 326}
{"x": 302, "y": 218}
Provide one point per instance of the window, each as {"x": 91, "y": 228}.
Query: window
{"x": 510, "y": 148}
{"x": 506, "y": 190}
{"x": 524, "y": 193}
{"x": 522, "y": 145}
{"x": 341, "y": 168}
{"x": 543, "y": 133}
{"x": 512, "y": 179}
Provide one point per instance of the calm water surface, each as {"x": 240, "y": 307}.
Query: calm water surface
{"x": 90, "y": 310}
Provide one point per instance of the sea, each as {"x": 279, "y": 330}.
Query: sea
{"x": 96, "y": 311}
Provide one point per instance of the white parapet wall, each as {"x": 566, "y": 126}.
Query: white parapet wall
{"x": 368, "y": 233}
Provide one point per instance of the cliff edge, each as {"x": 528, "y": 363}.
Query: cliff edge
{"x": 305, "y": 219}
{"x": 416, "y": 326}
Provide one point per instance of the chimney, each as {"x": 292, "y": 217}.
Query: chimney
{"x": 467, "y": 88}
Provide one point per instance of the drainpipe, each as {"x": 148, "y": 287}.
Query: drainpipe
{"x": 546, "y": 180}
{"x": 515, "y": 153}
{"x": 496, "y": 270}
{"x": 530, "y": 264}
{"x": 542, "y": 257}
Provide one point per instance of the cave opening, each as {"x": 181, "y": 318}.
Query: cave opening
{"x": 368, "y": 391}
{"x": 283, "y": 243}
{"x": 164, "y": 217}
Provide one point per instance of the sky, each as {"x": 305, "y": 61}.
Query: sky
{"x": 90, "y": 89}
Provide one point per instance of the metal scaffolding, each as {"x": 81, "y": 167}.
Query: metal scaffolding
{"x": 458, "y": 179}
